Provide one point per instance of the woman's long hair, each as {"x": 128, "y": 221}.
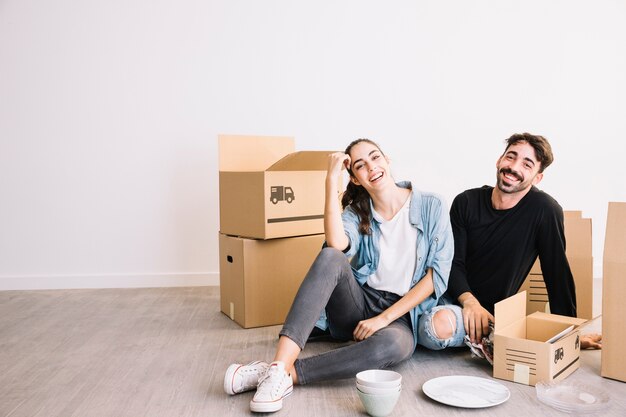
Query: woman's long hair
{"x": 357, "y": 197}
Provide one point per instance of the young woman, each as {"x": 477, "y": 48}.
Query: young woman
{"x": 385, "y": 262}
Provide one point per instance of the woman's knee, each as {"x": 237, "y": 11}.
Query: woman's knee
{"x": 331, "y": 261}
{"x": 391, "y": 348}
{"x": 441, "y": 327}
{"x": 332, "y": 255}
{"x": 444, "y": 324}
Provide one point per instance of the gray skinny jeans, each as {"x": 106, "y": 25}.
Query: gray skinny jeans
{"x": 330, "y": 284}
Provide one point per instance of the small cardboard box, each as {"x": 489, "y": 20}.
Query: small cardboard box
{"x": 579, "y": 256}
{"x": 614, "y": 294}
{"x": 259, "y": 278}
{"x": 269, "y": 191}
{"x": 535, "y": 347}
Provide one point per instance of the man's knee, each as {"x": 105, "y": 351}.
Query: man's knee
{"x": 444, "y": 324}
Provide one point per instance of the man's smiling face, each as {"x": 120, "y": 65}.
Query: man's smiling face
{"x": 518, "y": 169}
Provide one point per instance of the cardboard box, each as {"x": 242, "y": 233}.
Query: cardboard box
{"x": 523, "y": 351}
{"x": 269, "y": 191}
{"x": 259, "y": 278}
{"x": 614, "y": 294}
{"x": 535, "y": 287}
{"x": 579, "y": 256}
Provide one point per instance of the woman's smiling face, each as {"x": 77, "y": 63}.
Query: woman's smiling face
{"x": 368, "y": 165}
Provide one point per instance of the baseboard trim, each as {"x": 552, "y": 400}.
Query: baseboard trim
{"x": 57, "y": 282}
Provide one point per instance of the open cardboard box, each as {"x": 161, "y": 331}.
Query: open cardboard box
{"x": 614, "y": 294}
{"x": 269, "y": 191}
{"x": 523, "y": 350}
{"x": 579, "y": 256}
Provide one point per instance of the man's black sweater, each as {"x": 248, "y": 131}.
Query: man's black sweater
{"x": 495, "y": 249}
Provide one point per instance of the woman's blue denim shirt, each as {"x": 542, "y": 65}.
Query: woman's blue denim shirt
{"x": 435, "y": 247}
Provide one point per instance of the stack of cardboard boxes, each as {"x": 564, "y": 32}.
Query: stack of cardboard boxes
{"x": 271, "y": 224}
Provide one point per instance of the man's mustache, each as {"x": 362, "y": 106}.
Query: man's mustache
{"x": 509, "y": 171}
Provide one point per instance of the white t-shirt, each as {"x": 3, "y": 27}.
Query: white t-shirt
{"x": 397, "y": 262}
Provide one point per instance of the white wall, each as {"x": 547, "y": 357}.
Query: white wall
{"x": 109, "y": 113}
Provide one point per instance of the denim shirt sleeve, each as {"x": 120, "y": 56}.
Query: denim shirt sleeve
{"x": 351, "y": 227}
{"x": 441, "y": 244}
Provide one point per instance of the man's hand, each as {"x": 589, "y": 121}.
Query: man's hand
{"x": 368, "y": 327}
{"x": 475, "y": 317}
{"x": 591, "y": 341}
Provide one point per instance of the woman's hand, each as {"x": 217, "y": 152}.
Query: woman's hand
{"x": 337, "y": 162}
{"x": 416, "y": 295}
{"x": 368, "y": 327}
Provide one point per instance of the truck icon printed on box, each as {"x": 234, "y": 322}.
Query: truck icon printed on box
{"x": 281, "y": 193}
{"x": 558, "y": 354}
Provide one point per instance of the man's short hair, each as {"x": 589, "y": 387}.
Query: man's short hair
{"x": 543, "y": 150}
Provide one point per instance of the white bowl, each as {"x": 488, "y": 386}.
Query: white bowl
{"x": 379, "y": 405}
{"x": 379, "y": 378}
{"x": 378, "y": 391}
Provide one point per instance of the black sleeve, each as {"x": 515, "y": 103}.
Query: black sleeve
{"x": 554, "y": 266}
{"x": 457, "y": 283}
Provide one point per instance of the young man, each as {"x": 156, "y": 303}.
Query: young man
{"x": 498, "y": 234}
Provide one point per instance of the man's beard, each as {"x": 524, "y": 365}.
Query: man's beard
{"x": 510, "y": 189}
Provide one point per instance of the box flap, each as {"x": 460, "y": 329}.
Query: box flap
{"x": 252, "y": 153}
{"x": 558, "y": 318}
{"x": 303, "y": 161}
{"x": 574, "y": 214}
{"x": 510, "y": 310}
{"x": 615, "y": 238}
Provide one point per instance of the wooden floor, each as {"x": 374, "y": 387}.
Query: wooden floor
{"x": 163, "y": 352}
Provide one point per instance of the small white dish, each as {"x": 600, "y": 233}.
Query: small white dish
{"x": 376, "y": 390}
{"x": 379, "y": 378}
{"x": 572, "y": 397}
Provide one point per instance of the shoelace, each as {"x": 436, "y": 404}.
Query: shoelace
{"x": 275, "y": 388}
{"x": 250, "y": 374}
{"x": 256, "y": 368}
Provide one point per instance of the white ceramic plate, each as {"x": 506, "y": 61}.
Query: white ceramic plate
{"x": 466, "y": 391}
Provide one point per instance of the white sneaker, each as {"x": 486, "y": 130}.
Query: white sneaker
{"x": 275, "y": 385}
{"x": 240, "y": 378}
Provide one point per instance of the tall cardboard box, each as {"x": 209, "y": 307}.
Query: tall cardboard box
{"x": 579, "y": 255}
{"x": 269, "y": 191}
{"x": 614, "y": 294}
{"x": 535, "y": 347}
{"x": 259, "y": 278}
